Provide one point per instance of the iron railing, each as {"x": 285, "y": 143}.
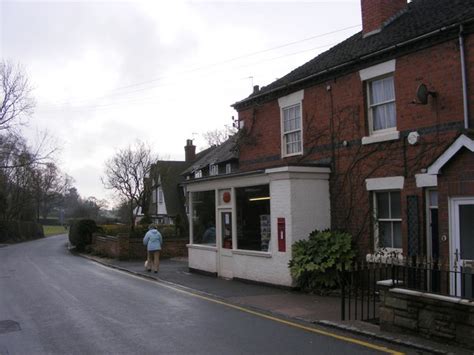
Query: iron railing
{"x": 360, "y": 292}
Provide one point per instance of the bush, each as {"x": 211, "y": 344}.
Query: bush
{"x": 317, "y": 260}
{"x": 80, "y": 233}
{"x": 18, "y": 231}
{"x": 115, "y": 229}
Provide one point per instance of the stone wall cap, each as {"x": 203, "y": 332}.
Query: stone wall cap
{"x": 433, "y": 296}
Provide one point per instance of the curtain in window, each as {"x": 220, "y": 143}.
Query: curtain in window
{"x": 382, "y": 102}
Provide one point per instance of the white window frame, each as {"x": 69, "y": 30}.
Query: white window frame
{"x": 377, "y": 220}
{"x": 287, "y": 102}
{"x": 228, "y": 168}
{"x": 198, "y": 174}
{"x": 369, "y": 75}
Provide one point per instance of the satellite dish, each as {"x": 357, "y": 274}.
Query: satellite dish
{"x": 422, "y": 94}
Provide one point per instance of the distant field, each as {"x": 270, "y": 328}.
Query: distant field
{"x": 53, "y": 230}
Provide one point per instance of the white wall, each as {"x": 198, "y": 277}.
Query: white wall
{"x": 301, "y": 196}
{"x": 202, "y": 259}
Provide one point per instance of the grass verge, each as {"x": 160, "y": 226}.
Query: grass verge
{"x": 53, "y": 230}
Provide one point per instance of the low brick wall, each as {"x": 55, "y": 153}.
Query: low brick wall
{"x": 123, "y": 247}
{"x": 440, "y": 318}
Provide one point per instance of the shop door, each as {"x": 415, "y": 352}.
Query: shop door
{"x": 462, "y": 247}
{"x": 225, "y": 244}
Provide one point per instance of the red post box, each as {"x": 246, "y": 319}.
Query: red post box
{"x": 281, "y": 235}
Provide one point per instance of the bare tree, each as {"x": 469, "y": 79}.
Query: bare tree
{"x": 16, "y": 102}
{"x": 218, "y": 136}
{"x": 125, "y": 173}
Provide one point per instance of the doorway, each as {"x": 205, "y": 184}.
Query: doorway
{"x": 225, "y": 236}
{"x": 462, "y": 246}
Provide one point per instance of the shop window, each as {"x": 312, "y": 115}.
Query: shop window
{"x": 253, "y": 217}
{"x": 204, "y": 217}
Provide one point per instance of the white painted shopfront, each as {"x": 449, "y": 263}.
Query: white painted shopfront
{"x": 243, "y": 225}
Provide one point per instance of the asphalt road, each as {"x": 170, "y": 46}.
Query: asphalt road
{"x": 52, "y": 302}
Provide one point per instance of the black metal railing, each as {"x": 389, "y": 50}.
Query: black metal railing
{"x": 360, "y": 291}
{"x": 435, "y": 276}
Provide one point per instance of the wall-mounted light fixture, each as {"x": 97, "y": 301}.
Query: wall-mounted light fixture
{"x": 259, "y": 198}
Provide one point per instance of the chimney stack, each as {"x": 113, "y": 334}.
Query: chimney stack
{"x": 376, "y": 12}
{"x": 189, "y": 151}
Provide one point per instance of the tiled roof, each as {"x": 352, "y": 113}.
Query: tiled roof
{"x": 421, "y": 17}
{"x": 217, "y": 154}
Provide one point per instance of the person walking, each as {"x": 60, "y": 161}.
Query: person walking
{"x": 153, "y": 241}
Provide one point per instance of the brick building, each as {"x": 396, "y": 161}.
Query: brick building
{"x": 372, "y": 136}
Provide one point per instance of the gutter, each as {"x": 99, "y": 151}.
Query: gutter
{"x": 221, "y": 177}
{"x": 353, "y": 61}
{"x": 464, "y": 77}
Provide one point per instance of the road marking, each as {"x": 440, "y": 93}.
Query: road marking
{"x": 178, "y": 288}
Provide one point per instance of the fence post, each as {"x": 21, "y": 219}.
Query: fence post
{"x": 343, "y": 300}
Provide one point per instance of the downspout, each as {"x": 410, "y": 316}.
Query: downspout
{"x": 464, "y": 77}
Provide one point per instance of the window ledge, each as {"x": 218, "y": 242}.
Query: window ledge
{"x": 202, "y": 247}
{"x": 381, "y": 137}
{"x": 261, "y": 254}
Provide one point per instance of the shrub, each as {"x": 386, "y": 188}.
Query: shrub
{"x": 168, "y": 231}
{"x": 317, "y": 260}
{"x": 80, "y": 233}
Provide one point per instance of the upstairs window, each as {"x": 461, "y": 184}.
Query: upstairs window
{"x": 228, "y": 168}
{"x": 160, "y": 196}
{"x": 292, "y": 143}
{"x": 381, "y": 105}
{"x": 198, "y": 174}
{"x": 291, "y": 123}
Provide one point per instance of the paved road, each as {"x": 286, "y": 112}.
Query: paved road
{"x": 54, "y": 302}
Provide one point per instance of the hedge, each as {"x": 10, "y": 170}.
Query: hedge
{"x": 19, "y": 231}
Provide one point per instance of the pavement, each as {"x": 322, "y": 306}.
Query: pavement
{"x": 320, "y": 310}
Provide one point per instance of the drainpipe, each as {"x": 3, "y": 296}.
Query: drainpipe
{"x": 464, "y": 78}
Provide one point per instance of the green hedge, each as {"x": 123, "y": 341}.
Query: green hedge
{"x": 19, "y": 231}
{"x": 80, "y": 233}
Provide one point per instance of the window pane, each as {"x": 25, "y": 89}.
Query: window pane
{"x": 433, "y": 198}
{"x": 395, "y": 205}
{"x": 382, "y": 90}
{"x": 382, "y": 205}
{"x": 466, "y": 229}
{"x": 204, "y": 217}
{"x": 384, "y": 116}
{"x": 397, "y": 234}
{"x": 385, "y": 234}
{"x": 253, "y": 217}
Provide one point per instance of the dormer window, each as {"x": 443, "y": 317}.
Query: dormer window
{"x": 228, "y": 168}
{"x": 198, "y": 174}
{"x": 213, "y": 169}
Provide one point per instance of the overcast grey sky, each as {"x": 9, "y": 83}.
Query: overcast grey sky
{"x": 106, "y": 73}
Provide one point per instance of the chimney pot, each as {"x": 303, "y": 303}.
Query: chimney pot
{"x": 255, "y": 89}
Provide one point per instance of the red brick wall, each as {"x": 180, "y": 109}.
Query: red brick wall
{"x": 122, "y": 247}
{"x": 340, "y": 113}
{"x": 376, "y": 12}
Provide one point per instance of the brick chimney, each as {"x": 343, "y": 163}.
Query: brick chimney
{"x": 189, "y": 150}
{"x": 376, "y": 12}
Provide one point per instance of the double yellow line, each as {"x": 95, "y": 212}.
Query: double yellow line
{"x": 272, "y": 318}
